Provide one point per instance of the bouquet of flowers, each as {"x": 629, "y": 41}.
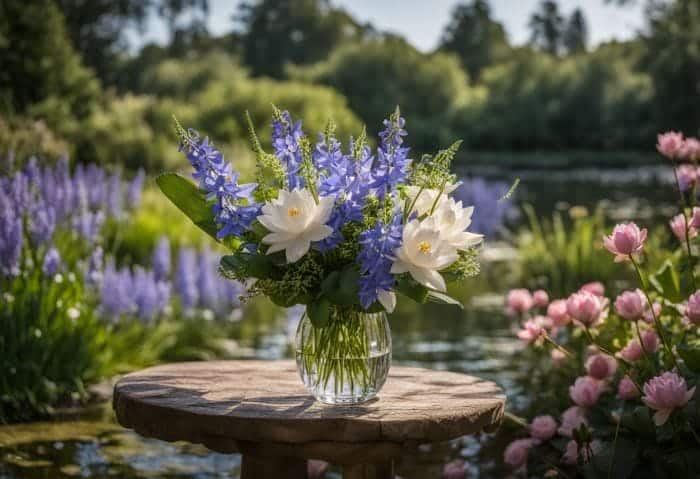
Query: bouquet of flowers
{"x": 339, "y": 231}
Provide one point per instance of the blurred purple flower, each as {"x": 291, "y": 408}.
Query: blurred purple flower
{"x": 87, "y": 224}
{"x": 133, "y": 195}
{"x": 93, "y": 274}
{"x": 114, "y": 196}
{"x": 161, "y": 259}
{"x": 150, "y": 295}
{"x": 52, "y": 262}
{"x": 490, "y": 212}
{"x": 42, "y": 222}
{"x": 10, "y": 238}
{"x": 185, "y": 282}
{"x": 116, "y": 292}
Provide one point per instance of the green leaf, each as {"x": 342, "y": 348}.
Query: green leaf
{"x": 639, "y": 421}
{"x": 319, "y": 312}
{"x": 408, "y": 287}
{"x": 667, "y": 282}
{"x": 690, "y": 353}
{"x": 341, "y": 287}
{"x": 186, "y": 196}
{"x": 436, "y": 297}
{"x": 246, "y": 265}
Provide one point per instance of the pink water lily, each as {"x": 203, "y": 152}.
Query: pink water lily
{"x": 572, "y": 419}
{"x": 519, "y": 301}
{"x": 585, "y": 307}
{"x": 585, "y": 391}
{"x": 678, "y": 226}
{"x": 543, "y": 427}
{"x": 630, "y": 305}
{"x": 516, "y": 453}
{"x": 665, "y": 393}
{"x": 692, "y": 309}
{"x": 626, "y": 390}
{"x": 670, "y": 144}
{"x": 625, "y": 240}
{"x": 601, "y": 366}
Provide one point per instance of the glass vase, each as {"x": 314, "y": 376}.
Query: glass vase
{"x": 347, "y": 360}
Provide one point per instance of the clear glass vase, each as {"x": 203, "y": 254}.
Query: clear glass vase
{"x": 347, "y": 360}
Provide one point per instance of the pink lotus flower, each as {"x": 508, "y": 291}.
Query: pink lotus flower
{"x": 626, "y": 390}
{"x": 625, "y": 240}
{"x": 557, "y": 357}
{"x": 695, "y": 220}
{"x": 594, "y": 287}
{"x": 532, "y": 331}
{"x": 690, "y": 150}
{"x": 541, "y": 298}
{"x": 456, "y": 469}
{"x": 586, "y": 308}
{"x": 601, "y": 366}
{"x": 633, "y": 350}
{"x": 519, "y": 301}
{"x": 543, "y": 427}
{"x": 649, "y": 315}
{"x": 630, "y": 305}
{"x": 516, "y": 453}
{"x": 585, "y": 391}
{"x": 687, "y": 177}
{"x": 572, "y": 419}
{"x": 650, "y": 340}
{"x": 665, "y": 393}
{"x": 588, "y": 451}
{"x": 556, "y": 311}
{"x": 692, "y": 309}
{"x": 670, "y": 144}
{"x": 677, "y": 224}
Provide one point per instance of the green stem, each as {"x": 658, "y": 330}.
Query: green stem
{"x": 644, "y": 349}
{"x": 657, "y": 322}
{"x": 614, "y": 448}
{"x": 557, "y": 345}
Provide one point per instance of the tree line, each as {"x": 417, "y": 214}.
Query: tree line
{"x": 67, "y": 62}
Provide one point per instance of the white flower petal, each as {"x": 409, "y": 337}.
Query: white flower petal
{"x": 387, "y": 299}
{"x": 468, "y": 240}
{"x": 277, "y": 238}
{"x": 399, "y": 267}
{"x": 429, "y": 278}
{"x": 296, "y": 249}
{"x": 275, "y": 247}
{"x": 319, "y": 233}
{"x": 271, "y": 222}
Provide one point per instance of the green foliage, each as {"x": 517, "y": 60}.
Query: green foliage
{"x": 434, "y": 172}
{"x": 561, "y": 255}
{"x": 185, "y": 195}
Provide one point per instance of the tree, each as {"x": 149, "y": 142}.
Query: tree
{"x": 278, "y": 32}
{"x": 547, "y": 26}
{"x": 576, "y": 33}
{"x": 673, "y": 61}
{"x": 475, "y": 37}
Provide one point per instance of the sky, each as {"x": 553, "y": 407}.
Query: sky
{"x": 422, "y": 21}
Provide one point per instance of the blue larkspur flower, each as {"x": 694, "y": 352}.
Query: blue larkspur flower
{"x": 161, "y": 259}
{"x": 377, "y": 247}
{"x": 285, "y": 141}
{"x": 52, "y": 262}
{"x": 234, "y": 210}
{"x": 392, "y": 163}
{"x": 185, "y": 281}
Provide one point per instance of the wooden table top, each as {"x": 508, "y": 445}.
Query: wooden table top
{"x": 223, "y": 403}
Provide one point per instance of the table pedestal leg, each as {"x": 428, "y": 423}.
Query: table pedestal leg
{"x": 253, "y": 467}
{"x": 383, "y": 470}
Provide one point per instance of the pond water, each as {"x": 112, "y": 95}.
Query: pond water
{"x": 477, "y": 341}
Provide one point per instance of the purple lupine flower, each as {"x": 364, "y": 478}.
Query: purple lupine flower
{"x": 161, "y": 258}
{"x": 95, "y": 185}
{"x": 94, "y": 273}
{"x": 150, "y": 295}
{"x": 285, "y": 141}
{"x": 490, "y": 212}
{"x": 135, "y": 188}
{"x": 79, "y": 189}
{"x": 114, "y": 196}
{"x": 208, "y": 280}
{"x": 185, "y": 282}
{"x": 10, "y": 237}
{"x": 116, "y": 292}
{"x": 377, "y": 246}
{"x": 392, "y": 158}
{"x": 87, "y": 224}
{"x": 42, "y": 222}
{"x": 52, "y": 262}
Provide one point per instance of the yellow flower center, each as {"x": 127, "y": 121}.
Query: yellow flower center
{"x": 424, "y": 247}
{"x": 293, "y": 212}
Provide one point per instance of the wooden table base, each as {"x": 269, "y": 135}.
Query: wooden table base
{"x": 263, "y": 467}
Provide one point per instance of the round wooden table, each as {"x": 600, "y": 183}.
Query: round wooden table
{"x": 261, "y": 409}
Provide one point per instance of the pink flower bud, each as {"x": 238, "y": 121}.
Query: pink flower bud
{"x": 601, "y": 366}
{"x": 665, "y": 393}
{"x": 572, "y": 419}
{"x": 456, "y": 469}
{"x": 626, "y": 390}
{"x": 557, "y": 312}
{"x": 650, "y": 340}
{"x": 630, "y": 305}
{"x": 690, "y": 151}
{"x": 585, "y": 391}
{"x": 531, "y": 332}
{"x": 543, "y": 427}
{"x": 572, "y": 451}
{"x": 625, "y": 240}
{"x": 519, "y": 301}
{"x": 692, "y": 309}
{"x": 670, "y": 144}
{"x": 584, "y": 307}
{"x": 677, "y": 224}
{"x": 632, "y": 351}
{"x": 516, "y": 453}
{"x": 695, "y": 220}
{"x": 594, "y": 287}
{"x": 541, "y": 298}
{"x": 557, "y": 356}
{"x": 649, "y": 315}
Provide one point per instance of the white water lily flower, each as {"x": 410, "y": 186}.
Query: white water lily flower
{"x": 295, "y": 220}
{"x": 426, "y": 199}
{"x": 423, "y": 254}
{"x": 451, "y": 219}
{"x": 387, "y": 299}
